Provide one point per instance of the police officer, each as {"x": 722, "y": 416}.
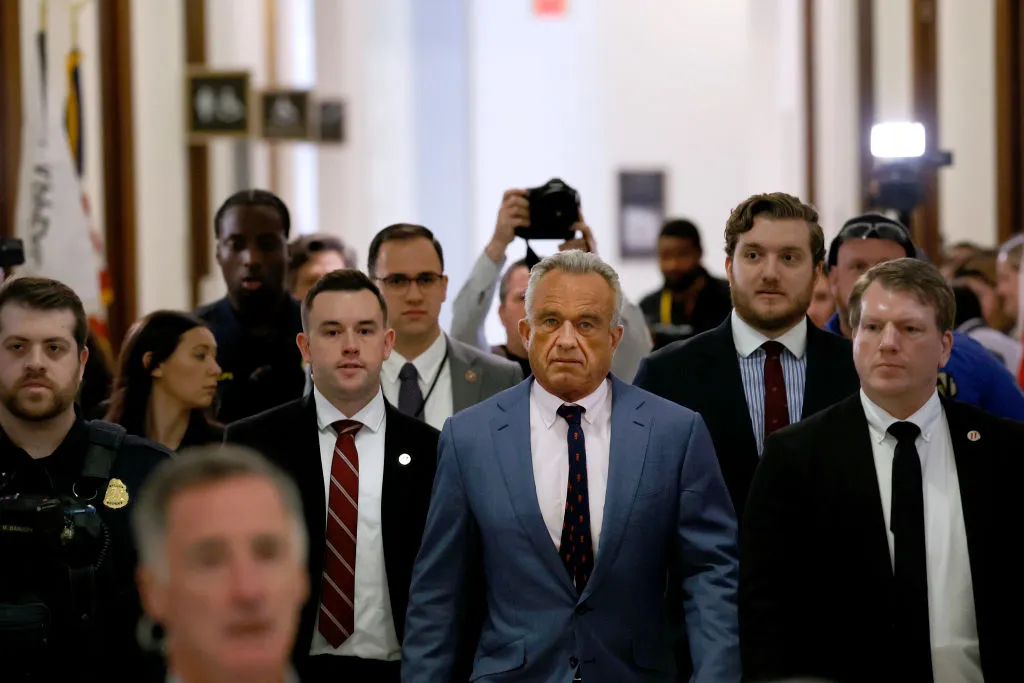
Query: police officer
{"x": 47, "y": 449}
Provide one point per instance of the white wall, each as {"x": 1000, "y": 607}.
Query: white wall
{"x": 967, "y": 121}
{"x": 837, "y": 151}
{"x": 160, "y": 164}
{"x": 297, "y": 179}
{"x": 894, "y": 75}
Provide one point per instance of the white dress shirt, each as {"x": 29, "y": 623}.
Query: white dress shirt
{"x": 428, "y": 365}
{"x": 549, "y": 447}
{"x": 374, "y": 636}
{"x": 748, "y": 343}
{"x": 951, "y": 618}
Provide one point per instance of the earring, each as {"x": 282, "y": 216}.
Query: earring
{"x": 149, "y": 635}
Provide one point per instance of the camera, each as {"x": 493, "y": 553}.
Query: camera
{"x": 554, "y": 209}
{"x": 48, "y": 530}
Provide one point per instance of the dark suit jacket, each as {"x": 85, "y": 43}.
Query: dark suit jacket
{"x": 260, "y": 372}
{"x": 703, "y": 374}
{"x": 288, "y": 436}
{"x": 815, "y": 566}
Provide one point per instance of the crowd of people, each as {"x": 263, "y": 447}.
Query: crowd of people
{"x": 802, "y": 471}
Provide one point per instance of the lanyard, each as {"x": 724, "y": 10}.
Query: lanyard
{"x": 666, "y": 307}
{"x": 433, "y": 384}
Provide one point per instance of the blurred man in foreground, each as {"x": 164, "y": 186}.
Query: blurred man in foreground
{"x": 222, "y": 565}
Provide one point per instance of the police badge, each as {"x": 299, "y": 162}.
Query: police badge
{"x": 116, "y": 495}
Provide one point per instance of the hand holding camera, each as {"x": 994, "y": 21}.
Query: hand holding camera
{"x": 548, "y": 212}
{"x": 513, "y": 214}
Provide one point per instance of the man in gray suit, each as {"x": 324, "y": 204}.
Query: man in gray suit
{"x": 429, "y": 375}
{"x": 566, "y": 509}
{"x": 474, "y": 299}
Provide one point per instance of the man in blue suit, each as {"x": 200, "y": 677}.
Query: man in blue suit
{"x": 565, "y": 507}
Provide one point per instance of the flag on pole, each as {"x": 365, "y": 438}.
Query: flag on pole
{"x": 52, "y": 210}
{"x": 73, "y": 117}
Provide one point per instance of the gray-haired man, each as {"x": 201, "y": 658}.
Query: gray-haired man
{"x": 222, "y": 568}
{"x": 623, "y": 485}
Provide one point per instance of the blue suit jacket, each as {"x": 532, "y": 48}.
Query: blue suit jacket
{"x": 667, "y": 517}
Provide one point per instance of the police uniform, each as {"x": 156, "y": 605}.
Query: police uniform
{"x": 259, "y": 372}
{"x": 119, "y": 609}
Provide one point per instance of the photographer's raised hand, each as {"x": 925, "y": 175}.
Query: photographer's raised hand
{"x": 584, "y": 243}
{"x": 514, "y": 213}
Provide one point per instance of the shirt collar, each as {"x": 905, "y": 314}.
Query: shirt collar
{"x": 593, "y": 404}
{"x": 879, "y": 420}
{"x": 748, "y": 340}
{"x": 371, "y": 415}
{"x": 427, "y": 363}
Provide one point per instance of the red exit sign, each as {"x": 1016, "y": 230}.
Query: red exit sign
{"x": 549, "y": 8}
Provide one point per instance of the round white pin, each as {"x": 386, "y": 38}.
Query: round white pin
{"x": 973, "y": 435}
{"x": 404, "y": 459}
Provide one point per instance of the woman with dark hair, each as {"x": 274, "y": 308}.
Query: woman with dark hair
{"x": 167, "y": 381}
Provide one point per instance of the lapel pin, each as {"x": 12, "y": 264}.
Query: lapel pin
{"x": 404, "y": 459}
{"x": 973, "y": 435}
{"x": 470, "y": 376}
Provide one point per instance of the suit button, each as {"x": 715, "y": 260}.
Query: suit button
{"x": 573, "y": 662}
{"x": 582, "y": 609}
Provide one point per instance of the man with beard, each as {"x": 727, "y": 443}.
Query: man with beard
{"x": 766, "y": 366}
{"x": 691, "y": 301}
{"x": 256, "y": 323}
{"x": 971, "y": 374}
{"x": 48, "y": 450}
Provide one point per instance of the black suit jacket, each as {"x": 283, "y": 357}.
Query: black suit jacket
{"x": 815, "y": 568}
{"x": 288, "y": 436}
{"x": 703, "y": 374}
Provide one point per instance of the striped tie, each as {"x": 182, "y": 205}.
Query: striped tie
{"x": 337, "y": 594}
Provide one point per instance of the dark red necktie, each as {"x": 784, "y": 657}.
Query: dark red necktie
{"x": 776, "y": 406}
{"x": 338, "y": 589}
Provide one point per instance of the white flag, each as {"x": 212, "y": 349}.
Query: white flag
{"x": 49, "y": 216}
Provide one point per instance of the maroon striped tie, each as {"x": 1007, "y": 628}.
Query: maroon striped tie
{"x": 338, "y": 592}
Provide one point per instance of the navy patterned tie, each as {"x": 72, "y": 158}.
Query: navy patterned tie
{"x": 576, "y": 547}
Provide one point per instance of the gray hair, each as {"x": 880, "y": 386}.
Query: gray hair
{"x": 197, "y": 467}
{"x": 575, "y": 262}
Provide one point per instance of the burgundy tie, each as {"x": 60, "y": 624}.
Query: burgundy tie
{"x": 338, "y": 590}
{"x": 776, "y": 406}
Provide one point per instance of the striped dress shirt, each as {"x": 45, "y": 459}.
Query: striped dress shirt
{"x": 751, "y": 358}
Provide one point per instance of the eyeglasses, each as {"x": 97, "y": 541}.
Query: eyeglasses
{"x": 882, "y": 231}
{"x": 400, "y": 282}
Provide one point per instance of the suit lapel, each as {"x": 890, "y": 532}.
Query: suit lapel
{"x": 510, "y": 430}
{"x": 863, "y": 508}
{"x": 974, "y": 472}
{"x": 311, "y": 465}
{"x": 723, "y": 370}
{"x": 308, "y": 467}
{"x": 630, "y": 433}
{"x": 464, "y": 392}
{"x": 817, "y": 380}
